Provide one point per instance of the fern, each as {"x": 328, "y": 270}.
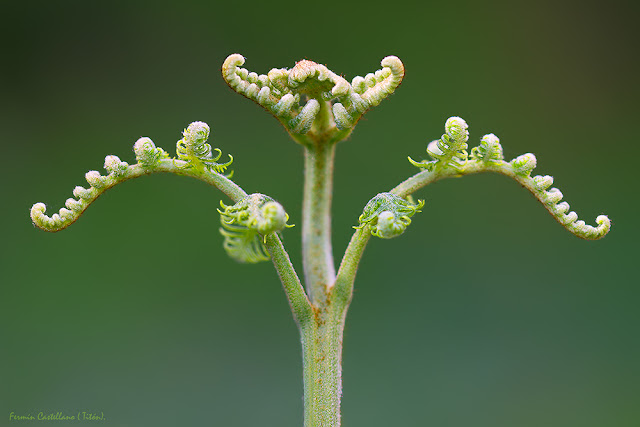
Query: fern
{"x": 281, "y": 90}
{"x": 318, "y": 108}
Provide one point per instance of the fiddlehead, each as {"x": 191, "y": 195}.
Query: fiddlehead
{"x": 193, "y": 149}
{"x": 450, "y": 150}
{"x": 450, "y": 160}
{"x": 281, "y": 90}
{"x": 194, "y": 159}
{"x": 489, "y": 150}
{"x": 246, "y": 225}
{"x": 387, "y": 215}
{"x": 147, "y": 154}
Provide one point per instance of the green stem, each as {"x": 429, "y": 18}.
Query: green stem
{"x": 421, "y": 179}
{"x": 322, "y": 337}
{"x": 222, "y": 183}
{"x": 317, "y": 254}
{"x": 322, "y": 343}
{"x": 322, "y": 365}
{"x": 343, "y": 290}
{"x": 300, "y": 305}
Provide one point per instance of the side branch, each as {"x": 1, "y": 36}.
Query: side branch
{"x": 519, "y": 169}
{"x": 385, "y": 216}
{"x": 300, "y": 304}
{"x": 195, "y": 159}
{"x": 99, "y": 184}
{"x": 342, "y": 290}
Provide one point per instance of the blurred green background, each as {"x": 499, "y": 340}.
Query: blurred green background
{"x": 486, "y": 313}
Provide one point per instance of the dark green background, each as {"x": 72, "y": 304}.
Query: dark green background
{"x": 486, "y": 313}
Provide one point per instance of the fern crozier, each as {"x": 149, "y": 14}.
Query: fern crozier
{"x": 281, "y": 90}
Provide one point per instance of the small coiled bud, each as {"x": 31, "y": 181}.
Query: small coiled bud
{"x": 65, "y": 214}
{"x": 56, "y": 222}
{"x": 450, "y": 151}
{"x": 284, "y": 105}
{"x": 457, "y": 129}
{"x": 303, "y": 121}
{"x": 542, "y": 182}
{"x": 569, "y": 218}
{"x": 115, "y": 166}
{"x": 194, "y": 150}
{"x": 196, "y": 134}
{"x": 146, "y": 152}
{"x": 95, "y": 179}
{"x": 553, "y": 196}
{"x": 389, "y": 225}
{"x": 524, "y": 164}
{"x": 388, "y": 215}
{"x": 489, "y": 150}
{"x": 38, "y": 216}
{"x": 82, "y": 193}
{"x": 561, "y": 208}
{"x": 74, "y": 205}
{"x": 342, "y": 117}
{"x": 274, "y": 218}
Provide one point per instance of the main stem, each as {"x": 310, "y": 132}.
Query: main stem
{"x": 322, "y": 333}
{"x": 322, "y": 364}
{"x": 319, "y": 271}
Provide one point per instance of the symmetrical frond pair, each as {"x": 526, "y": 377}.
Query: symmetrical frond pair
{"x": 281, "y": 91}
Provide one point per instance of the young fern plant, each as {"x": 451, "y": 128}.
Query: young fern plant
{"x": 318, "y": 108}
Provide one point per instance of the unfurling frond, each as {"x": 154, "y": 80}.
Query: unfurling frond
{"x": 194, "y": 159}
{"x": 450, "y": 159}
{"x": 147, "y": 154}
{"x": 193, "y": 149}
{"x": 246, "y": 224}
{"x": 281, "y": 90}
{"x": 450, "y": 150}
{"x": 489, "y": 150}
{"x": 387, "y": 215}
